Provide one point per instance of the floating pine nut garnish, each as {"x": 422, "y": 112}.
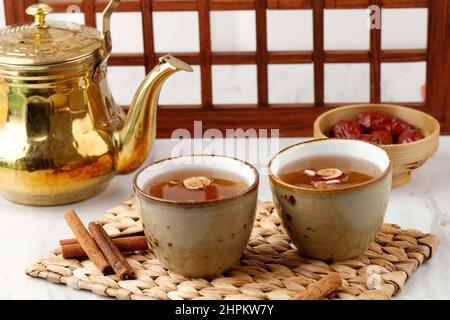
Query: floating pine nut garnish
{"x": 330, "y": 173}
{"x": 310, "y": 173}
{"x": 319, "y": 185}
{"x": 196, "y": 183}
{"x": 325, "y": 184}
{"x": 174, "y": 182}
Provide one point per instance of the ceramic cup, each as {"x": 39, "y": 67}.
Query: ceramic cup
{"x": 198, "y": 239}
{"x": 332, "y": 224}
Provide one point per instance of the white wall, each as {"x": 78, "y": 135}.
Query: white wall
{"x": 287, "y": 30}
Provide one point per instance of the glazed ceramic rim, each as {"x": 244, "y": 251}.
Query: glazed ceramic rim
{"x": 426, "y": 140}
{"x": 249, "y": 189}
{"x": 274, "y": 179}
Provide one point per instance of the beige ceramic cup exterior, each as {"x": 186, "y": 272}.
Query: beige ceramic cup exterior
{"x": 332, "y": 224}
{"x": 204, "y": 238}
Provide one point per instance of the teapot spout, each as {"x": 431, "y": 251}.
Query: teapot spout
{"x": 137, "y": 135}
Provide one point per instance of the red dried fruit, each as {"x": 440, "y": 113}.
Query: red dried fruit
{"x": 384, "y": 136}
{"x": 346, "y": 129}
{"x": 369, "y": 138}
{"x": 410, "y": 136}
{"x": 372, "y": 121}
{"x": 378, "y": 137}
{"x": 378, "y": 127}
{"x": 397, "y": 126}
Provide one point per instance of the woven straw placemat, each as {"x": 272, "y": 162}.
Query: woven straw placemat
{"x": 270, "y": 267}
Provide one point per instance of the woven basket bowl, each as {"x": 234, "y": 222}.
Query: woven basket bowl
{"x": 405, "y": 157}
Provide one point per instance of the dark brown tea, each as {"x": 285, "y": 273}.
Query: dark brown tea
{"x": 196, "y": 185}
{"x": 328, "y": 172}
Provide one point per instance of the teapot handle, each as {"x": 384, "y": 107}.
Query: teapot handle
{"x": 106, "y": 25}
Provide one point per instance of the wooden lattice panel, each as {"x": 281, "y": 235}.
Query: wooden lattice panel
{"x": 293, "y": 119}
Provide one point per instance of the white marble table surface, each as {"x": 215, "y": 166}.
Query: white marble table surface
{"x": 25, "y": 232}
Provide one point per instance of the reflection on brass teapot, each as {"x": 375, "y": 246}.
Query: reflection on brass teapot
{"x": 62, "y": 137}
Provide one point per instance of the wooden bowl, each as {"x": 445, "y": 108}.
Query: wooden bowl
{"x": 405, "y": 157}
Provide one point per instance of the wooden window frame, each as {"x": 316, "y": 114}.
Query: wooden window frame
{"x": 292, "y": 119}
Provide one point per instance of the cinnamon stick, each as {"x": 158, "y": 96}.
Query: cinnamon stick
{"x": 322, "y": 287}
{"x": 86, "y": 241}
{"x": 125, "y": 234}
{"x": 71, "y": 248}
{"x": 111, "y": 252}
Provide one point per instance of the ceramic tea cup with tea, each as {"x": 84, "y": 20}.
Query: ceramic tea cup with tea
{"x": 198, "y": 211}
{"x": 331, "y": 195}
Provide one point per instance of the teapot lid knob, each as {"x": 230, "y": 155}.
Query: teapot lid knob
{"x": 39, "y": 11}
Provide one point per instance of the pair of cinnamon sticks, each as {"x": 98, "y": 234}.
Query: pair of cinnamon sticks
{"x": 99, "y": 247}
{"x": 71, "y": 248}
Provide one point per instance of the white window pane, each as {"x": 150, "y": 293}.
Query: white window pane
{"x": 77, "y": 18}
{"x": 289, "y": 30}
{"x": 126, "y": 32}
{"x": 124, "y": 82}
{"x": 404, "y": 28}
{"x": 346, "y": 29}
{"x": 291, "y": 83}
{"x": 176, "y": 31}
{"x": 233, "y": 31}
{"x": 182, "y": 88}
{"x": 234, "y": 84}
{"x": 347, "y": 82}
{"x": 2, "y": 14}
{"x": 402, "y": 82}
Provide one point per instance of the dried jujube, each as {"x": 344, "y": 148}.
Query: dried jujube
{"x": 346, "y": 129}
{"x": 397, "y": 126}
{"x": 409, "y": 136}
{"x": 378, "y": 137}
{"x": 378, "y": 127}
{"x": 385, "y": 136}
{"x": 373, "y": 120}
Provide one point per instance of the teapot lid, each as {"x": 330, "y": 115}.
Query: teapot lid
{"x": 45, "y": 43}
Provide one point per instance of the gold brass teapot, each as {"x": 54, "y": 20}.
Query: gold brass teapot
{"x": 62, "y": 137}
